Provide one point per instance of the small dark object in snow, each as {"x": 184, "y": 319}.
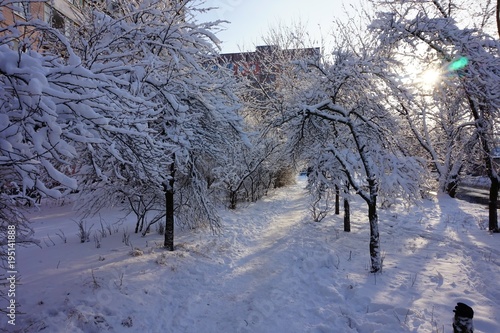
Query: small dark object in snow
{"x": 462, "y": 322}
{"x": 127, "y": 322}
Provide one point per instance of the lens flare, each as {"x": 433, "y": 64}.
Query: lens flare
{"x": 458, "y": 64}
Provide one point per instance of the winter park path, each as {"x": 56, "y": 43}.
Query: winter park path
{"x": 271, "y": 270}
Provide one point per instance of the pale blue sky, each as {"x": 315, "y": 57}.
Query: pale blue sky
{"x": 251, "y": 19}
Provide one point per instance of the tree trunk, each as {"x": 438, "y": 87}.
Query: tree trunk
{"x": 498, "y": 17}
{"x": 137, "y": 225}
{"x": 484, "y": 128}
{"x": 376, "y": 260}
{"x": 453, "y": 177}
{"x": 337, "y": 200}
{"x": 452, "y": 186}
{"x": 169, "y": 209}
{"x": 233, "y": 199}
{"x": 492, "y": 205}
{"x": 137, "y": 212}
{"x": 347, "y": 216}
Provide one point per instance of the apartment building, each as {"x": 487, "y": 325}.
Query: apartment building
{"x": 263, "y": 63}
{"x": 60, "y": 14}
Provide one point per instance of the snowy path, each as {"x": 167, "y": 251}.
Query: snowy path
{"x": 251, "y": 285}
{"x": 271, "y": 270}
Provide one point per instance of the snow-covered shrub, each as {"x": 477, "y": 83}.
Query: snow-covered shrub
{"x": 161, "y": 259}
{"x": 97, "y": 240}
{"x": 126, "y": 237}
{"x": 136, "y": 252}
{"x": 84, "y": 231}
{"x": 321, "y": 204}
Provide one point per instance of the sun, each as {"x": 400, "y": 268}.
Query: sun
{"x": 429, "y": 78}
{"x": 421, "y": 75}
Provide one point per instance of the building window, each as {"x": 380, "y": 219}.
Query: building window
{"x": 22, "y": 8}
{"x": 56, "y": 20}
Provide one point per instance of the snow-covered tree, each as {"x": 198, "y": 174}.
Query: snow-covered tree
{"x": 339, "y": 117}
{"x": 262, "y": 162}
{"x": 47, "y": 106}
{"x": 469, "y": 57}
{"x": 158, "y": 59}
{"x": 252, "y": 171}
{"x": 440, "y": 132}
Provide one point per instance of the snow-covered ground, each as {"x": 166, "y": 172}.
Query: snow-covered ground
{"x": 271, "y": 270}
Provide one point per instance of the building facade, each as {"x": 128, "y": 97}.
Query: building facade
{"x": 264, "y": 62}
{"x": 60, "y": 14}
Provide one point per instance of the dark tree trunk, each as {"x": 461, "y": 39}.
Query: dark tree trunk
{"x": 452, "y": 186}
{"x": 374, "y": 239}
{"x": 484, "y": 127}
{"x": 347, "y": 210}
{"x": 453, "y": 178}
{"x": 492, "y": 205}
{"x": 498, "y": 17}
{"x": 142, "y": 223}
{"x": 376, "y": 260}
{"x": 337, "y": 200}
{"x": 137, "y": 212}
{"x": 137, "y": 225}
{"x": 347, "y": 216}
{"x": 169, "y": 209}
{"x": 233, "y": 199}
